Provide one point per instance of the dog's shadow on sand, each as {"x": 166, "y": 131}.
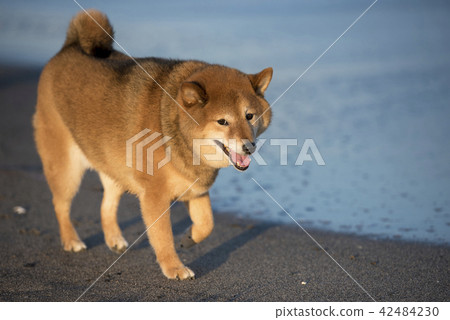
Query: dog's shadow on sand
{"x": 205, "y": 263}
{"x": 217, "y": 256}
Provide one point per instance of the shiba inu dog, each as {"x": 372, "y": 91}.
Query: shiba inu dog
{"x": 92, "y": 98}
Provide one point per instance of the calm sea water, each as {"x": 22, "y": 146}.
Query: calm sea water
{"x": 377, "y": 104}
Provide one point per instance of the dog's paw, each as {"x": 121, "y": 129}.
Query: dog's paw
{"x": 180, "y": 273}
{"x": 117, "y": 244}
{"x": 74, "y": 245}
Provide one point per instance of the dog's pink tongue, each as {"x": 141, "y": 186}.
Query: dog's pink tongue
{"x": 242, "y": 161}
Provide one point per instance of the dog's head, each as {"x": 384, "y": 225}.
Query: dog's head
{"x": 230, "y": 110}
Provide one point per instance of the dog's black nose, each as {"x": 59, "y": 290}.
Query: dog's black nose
{"x": 249, "y": 147}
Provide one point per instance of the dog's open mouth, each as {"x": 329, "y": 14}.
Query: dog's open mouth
{"x": 239, "y": 161}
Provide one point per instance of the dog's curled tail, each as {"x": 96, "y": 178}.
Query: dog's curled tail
{"x": 92, "y": 31}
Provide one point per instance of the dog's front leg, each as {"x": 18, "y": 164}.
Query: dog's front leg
{"x": 156, "y": 215}
{"x": 202, "y": 219}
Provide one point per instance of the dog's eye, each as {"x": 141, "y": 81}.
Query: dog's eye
{"x": 222, "y": 122}
{"x": 249, "y": 116}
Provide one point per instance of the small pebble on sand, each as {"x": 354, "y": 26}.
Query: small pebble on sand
{"x": 19, "y": 210}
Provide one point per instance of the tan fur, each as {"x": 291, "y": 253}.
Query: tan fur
{"x": 91, "y": 99}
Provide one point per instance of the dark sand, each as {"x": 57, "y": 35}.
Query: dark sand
{"x": 241, "y": 261}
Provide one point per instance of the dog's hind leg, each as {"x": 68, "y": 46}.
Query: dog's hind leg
{"x": 64, "y": 165}
{"x": 111, "y": 197}
{"x": 202, "y": 219}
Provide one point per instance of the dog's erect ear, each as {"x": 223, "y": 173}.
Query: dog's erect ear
{"x": 260, "y": 81}
{"x": 193, "y": 94}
